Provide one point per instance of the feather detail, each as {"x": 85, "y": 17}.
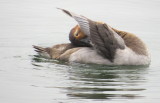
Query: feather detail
{"x": 82, "y": 21}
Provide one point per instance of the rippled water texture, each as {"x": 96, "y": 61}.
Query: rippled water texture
{"x": 27, "y": 78}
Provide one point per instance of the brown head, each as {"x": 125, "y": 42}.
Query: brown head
{"x": 78, "y": 38}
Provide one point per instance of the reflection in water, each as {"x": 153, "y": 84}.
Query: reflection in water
{"x": 88, "y": 81}
{"x": 106, "y": 82}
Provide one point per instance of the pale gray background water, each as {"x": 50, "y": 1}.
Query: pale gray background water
{"x": 28, "y": 79}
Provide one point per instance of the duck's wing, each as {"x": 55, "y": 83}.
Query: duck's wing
{"x": 83, "y": 22}
{"x": 106, "y": 41}
{"x": 103, "y": 38}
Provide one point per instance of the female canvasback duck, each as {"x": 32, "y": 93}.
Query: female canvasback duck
{"x": 98, "y": 43}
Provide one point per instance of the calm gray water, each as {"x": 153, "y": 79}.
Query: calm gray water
{"x": 26, "y": 78}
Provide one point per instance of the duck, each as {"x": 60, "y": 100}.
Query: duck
{"x": 98, "y": 43}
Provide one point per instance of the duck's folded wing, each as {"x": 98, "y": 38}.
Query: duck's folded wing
{"x": 103, "y": 38}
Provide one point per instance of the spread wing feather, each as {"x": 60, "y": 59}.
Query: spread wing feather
{"x": 82, "y": 21}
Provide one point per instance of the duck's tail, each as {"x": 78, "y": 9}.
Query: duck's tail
{"x": 44, "y": 52}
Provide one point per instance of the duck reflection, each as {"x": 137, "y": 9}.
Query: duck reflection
{"x": 106, "y": 82}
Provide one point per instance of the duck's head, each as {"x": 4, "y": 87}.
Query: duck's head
{"x": 78, "y": 38}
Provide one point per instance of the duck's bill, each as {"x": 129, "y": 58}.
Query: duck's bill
{"x": 86, "y": 41}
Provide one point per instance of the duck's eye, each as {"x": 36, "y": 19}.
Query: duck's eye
{"x": 76, "y": 34}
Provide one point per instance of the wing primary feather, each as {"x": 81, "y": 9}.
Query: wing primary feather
{"x": 65, "y": 11}
{"x": 82, "y": 21}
